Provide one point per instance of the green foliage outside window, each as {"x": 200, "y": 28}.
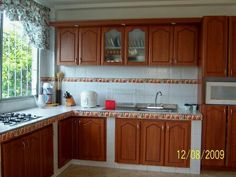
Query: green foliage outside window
{"x": 16, "y": 65}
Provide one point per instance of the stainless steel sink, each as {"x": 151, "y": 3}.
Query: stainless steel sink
{"x": 148, "y": 107}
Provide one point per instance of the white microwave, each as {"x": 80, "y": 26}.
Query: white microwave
{"x": 221, "y": 93}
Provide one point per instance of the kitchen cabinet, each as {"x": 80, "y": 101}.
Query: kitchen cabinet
{"x": 215, "y": 46}
{"x": 127, "y": 141}
{"x": 173, "y": 45}
{"x": 214, "y": 133}
{"x": 177, "y": 139}
{"x": 112, "y": 46}
{"x": 89, "y": 45}
{"x": 65, "y": 141}
{"x": 160, "y": 141}
{"x": 152, "y": 142}
{"x": 232, "y": 46}
{"x": 92, "y": 139}
{"x": 30, "y": 154}
{"x": 46, "y": 140}
{"x": 231, "y": 138}
{"x": 67, "y": 46}
{"x": 136, "y": 45}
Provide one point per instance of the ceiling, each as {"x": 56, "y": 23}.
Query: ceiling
{"x": 72, "y": 4}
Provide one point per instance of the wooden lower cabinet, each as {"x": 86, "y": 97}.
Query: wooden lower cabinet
{"x": 152, "y": 142}
{"x": 156, "y": 143}
{"x": 214, "y": 134}
{"x": 231, "y": 138}
{"x": 28, "y": 155}
{"x": 127, "y": 141}
{"x": 81, "y": 138}
{"x": 92, "y": 139}
{"x": 177, "y": 139}
{"x": 65, "y": 140}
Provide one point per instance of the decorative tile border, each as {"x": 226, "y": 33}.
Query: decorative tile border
{"x": 124, "y": 80}
{"x": 32, "y": 127}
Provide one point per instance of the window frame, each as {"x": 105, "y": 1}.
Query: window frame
{"x": 1, "y": 55}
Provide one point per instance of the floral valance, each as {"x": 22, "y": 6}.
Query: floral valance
{"x": 35, "y": 19}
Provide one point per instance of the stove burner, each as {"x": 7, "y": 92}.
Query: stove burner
{"x": 16, "y": 118}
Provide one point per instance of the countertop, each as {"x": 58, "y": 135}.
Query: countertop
{"x": 52, "y": 114}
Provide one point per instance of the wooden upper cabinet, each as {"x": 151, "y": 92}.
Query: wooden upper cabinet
{"x": 152, "y": 142}
{"x": 232, "y": 47}
{"x": 92, "y": 139}
{"x": 160, "y": 45}
{"x": 177, "y": 139}
{"x": 136, "y": 45}
{"x": 214, "y": 133}
{"x": 185, "y": 45}
{"x": 215, "y": 46}
{"x": 112, "y": 46}
{"x": 231, "y": 138}
{"x": 127, "y": 141}
{"x": 89, "y": 45}
{"x": 67, "y": 46}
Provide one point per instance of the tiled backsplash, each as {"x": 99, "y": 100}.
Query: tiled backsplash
{"x": 133, "y": 92}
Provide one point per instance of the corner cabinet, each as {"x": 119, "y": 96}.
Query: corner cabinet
{"x": 67, "y": 46}
{"x": 173, "y": 45}
{"x": 33, "y": 154}
{"x": 81, "y": 138}
{"x": 159, "y": 145}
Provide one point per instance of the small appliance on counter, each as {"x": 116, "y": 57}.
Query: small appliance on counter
{"x": 48, "y": 91}
{"x": 88, "y": 99}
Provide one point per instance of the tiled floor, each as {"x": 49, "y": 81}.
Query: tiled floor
{"x": 85, "y": 171}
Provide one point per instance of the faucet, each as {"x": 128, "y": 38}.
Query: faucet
{"x": 158, "y": 93}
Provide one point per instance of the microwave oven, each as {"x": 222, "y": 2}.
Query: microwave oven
{"x": 221, "y": 93}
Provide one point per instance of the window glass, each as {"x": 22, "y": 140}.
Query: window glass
{"x": 19, "y": 61}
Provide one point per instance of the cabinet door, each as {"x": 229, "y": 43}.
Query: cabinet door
{"x": 232, "y": 47}
{"x": 64, "y": 141}
{"x": 127, "y": 141}
{"x": 215, "y": 39}
{"x": 214, "y": 133}
{"x": 177, "y": 139}
{"x": 160, "y": 45}
{"x": 92, "y": 139}
{"x": 47, "y": 151}
{"x": 67, "y": 46}
{"x": 112, "y": 46}
{"x": 152, "y": 142}
{"x": 136, "y": 45}
{"x": 185, "y": 45}
{"x": 13, "y": 158}
{"x": 231, "y": 138}
{"x": 89, "y": 46}
{"x": 33, "y": 157}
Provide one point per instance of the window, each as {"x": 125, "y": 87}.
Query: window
{"x": 19, "y": 61}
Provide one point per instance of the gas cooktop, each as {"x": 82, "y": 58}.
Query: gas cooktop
{"x": 16, "y": 118}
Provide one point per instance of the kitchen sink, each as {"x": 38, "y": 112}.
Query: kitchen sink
{"x": 149, "y": 107}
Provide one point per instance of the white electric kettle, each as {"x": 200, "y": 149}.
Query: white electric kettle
{"x": 88, "y": 99}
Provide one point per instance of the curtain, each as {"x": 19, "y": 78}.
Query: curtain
{"x": 34, "y": 17}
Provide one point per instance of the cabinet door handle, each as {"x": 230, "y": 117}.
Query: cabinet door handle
{"x": 138, "y": 126}
{"x": 168, "y": 128}
{"x": 231, "y": 72}
{"x": 224, "y": 110}
{"x": 80, "y": 60}
{"x": 162, "y": 128}
{"x": 23, "y": 143}
{"x": 231, "y": 112}
{"x": 225, "y": 71}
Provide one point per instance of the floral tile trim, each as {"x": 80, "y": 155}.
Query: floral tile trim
{"x": 124, "y": 80}
{"x": 32, "y": 127}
